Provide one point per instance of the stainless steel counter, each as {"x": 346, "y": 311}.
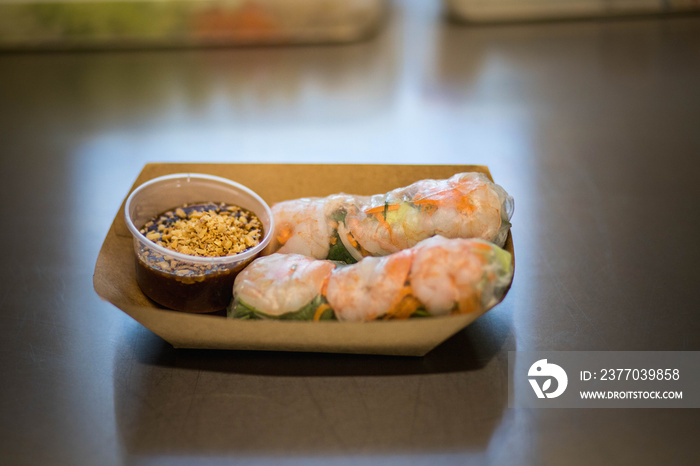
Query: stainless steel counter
{"x": 592, "y": 126}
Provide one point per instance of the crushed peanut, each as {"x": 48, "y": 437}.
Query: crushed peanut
{"x": 205, "y": 230}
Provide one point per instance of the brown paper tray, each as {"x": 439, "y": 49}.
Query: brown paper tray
{"x": 115, "y": 281}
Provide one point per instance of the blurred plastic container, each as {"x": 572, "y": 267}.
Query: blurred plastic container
{"x": 181, "y": 281}
{"x": 67, "y": 24}
{"x": 477, "y": 11}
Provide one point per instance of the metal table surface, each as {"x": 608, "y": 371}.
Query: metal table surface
{"x": 591, "y": 125}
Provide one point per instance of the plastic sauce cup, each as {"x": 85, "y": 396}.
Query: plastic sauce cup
{"x": 181, "y": 281}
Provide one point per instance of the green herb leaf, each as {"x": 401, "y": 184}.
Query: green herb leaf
{"x": 240, "y": 310}
{"x": 421, "y": 312}
{"x": 338, "y": 252}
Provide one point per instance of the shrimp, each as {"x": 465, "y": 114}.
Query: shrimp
{"x": 282, "y": 283}
{"x": 374, "y": 236}
{"x": 468, "y": 205}
{"x": 459, "y": 275}
{"x": 370, "y": 289}
{"x": 469, "y": 208}
{"x": 309, "y": 226}
{"x": 301, "y": 227}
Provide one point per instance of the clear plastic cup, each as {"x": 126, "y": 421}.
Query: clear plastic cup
{"x": 181, "y": 281}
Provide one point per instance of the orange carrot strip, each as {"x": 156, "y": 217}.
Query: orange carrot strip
{"x": 469, "y": 304}
{"x": 381, "y": 208}
{"x": 382, "y": 221}
{"x": 405, "y": 305}
{"x": 351, "y": 239}
{"x": 434, "y": 202}
{"x": 284, "y": 235}
{"x": 319, "y": 311}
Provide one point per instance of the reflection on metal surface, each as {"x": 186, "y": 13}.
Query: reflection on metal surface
{"x": 244, "y": 104}
{"x": 200, "y": 402}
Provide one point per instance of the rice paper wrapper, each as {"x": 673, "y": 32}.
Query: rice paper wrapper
{"x": 348, "y": 227}
{"x": 436, "y": 277}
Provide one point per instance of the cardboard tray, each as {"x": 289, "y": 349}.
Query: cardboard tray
{"x": 114, "y": 278}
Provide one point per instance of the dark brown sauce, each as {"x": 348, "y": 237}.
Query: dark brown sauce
{"x": 211, "y": 294}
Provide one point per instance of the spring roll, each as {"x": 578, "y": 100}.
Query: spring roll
{"x": 347, "y": 228}
{"x": 436, "y": 277}
{"x": 282, "y": 286}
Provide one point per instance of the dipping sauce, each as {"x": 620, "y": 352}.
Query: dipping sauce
{"x": 202, "y": 230}
{"x": 208, "y": 292}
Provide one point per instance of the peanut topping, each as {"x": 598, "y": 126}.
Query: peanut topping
{"x": 206, "y": 230}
